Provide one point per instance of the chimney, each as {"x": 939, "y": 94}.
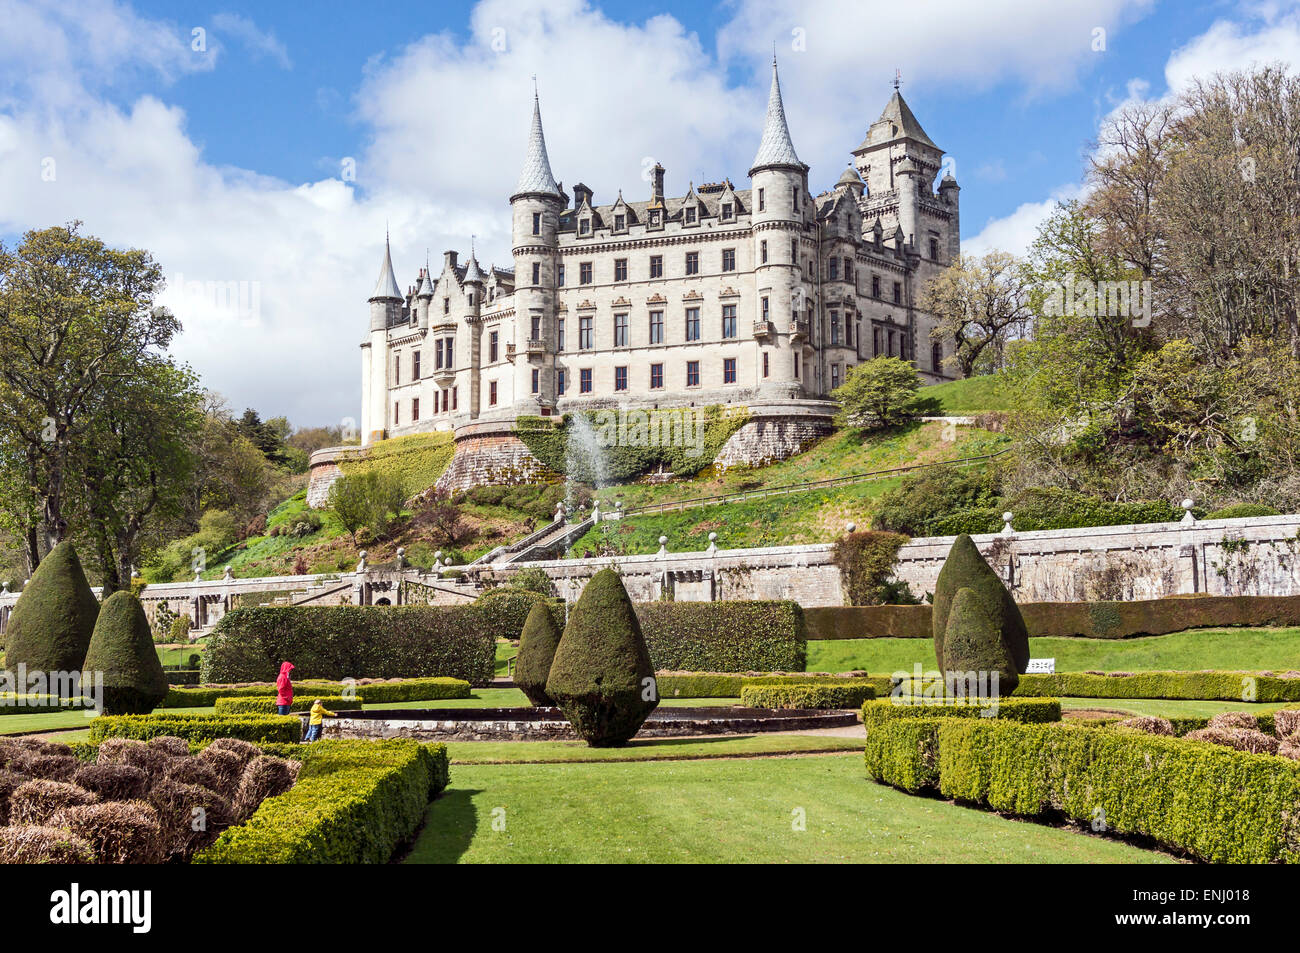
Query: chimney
{"x": 581, "y": 194}
{"x": 659, "y": 183}
{"x": 449, "y": 259}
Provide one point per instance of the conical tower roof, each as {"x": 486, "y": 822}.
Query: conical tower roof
{"x": 536, "y": 178}
{"x": 775, "y": 149}
{"x": 386, "y": 286}
{"x": 900, "y": 114}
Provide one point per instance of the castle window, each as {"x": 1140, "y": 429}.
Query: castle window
{"x": 728, "y": 259}
{"x": 620, "y": 378}
{"x": 584, "y": 273}
{"x": 537, "y": 328}
{"x": 493, "y": 340}
{"x": 560, "y": 382}
{"x": 762, "y": 252}
{"x": 797, "y": 362}
{"x": 397, "y": 369}
{"x": 728, "y": 320}
{"x": 415, "y": 366}
{"x": 794, "y": 197}
{"x": 537, "y": 223}
{"x": 450, "y": 342}
{"x": 692, "y": 263}
{"x": 898, "y": 292}
{"x": 656, "y": 327}
{"x": 692, "y": 373}
{"x": 690, "y": 215}
{"x": 444, "y": 401}
{"x": 620, "y": 330}
{"x": 794, "y": 252}
{"x": 654, "y": 217}
{"x": 559, "y": 276}
{"x": 446, "y": 305}
{"x": 656, "y": 266}
{"x": 848, "y": 269}
{"x": 835, "y": 376}
{"x": 875, "y": 342}
{"x": 415, "y": 408}
{"x": 585, "y": 226}
{"x": 537, "y": 375}
{"x": 584, "y": 380}
{"x": 835, "y": 327}
{"x": 848, "y": 328}
{"x": 934, "y": 249}
{"x": 692, "y": 324}
{"x": 397, "y": 414}
{"x": 620, "y": 269}
{"x": 537, "y": 273}
{"x": 620, "y": 222}
{"x": 766, "y": 312}
{"x": 584, "y": 333}
{"x": 729, "y": 370}
{"x": 875, "y": 286}
{"x": 834, "y": 274}
{"x": 559, "y": 333}
{"x": 762, "y": 202}
{"x": 471, "y": 299}
{"x": 492, "y": 393}
{"x": 767, "y": 364}
{"x": 656, "y": 376}
{"x": 437, "y": 353}
{"x": 936, "y": 356}
{"x": 726, "y": 211}
{"x": 455, "y": 391}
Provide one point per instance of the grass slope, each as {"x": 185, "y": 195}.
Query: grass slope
{"x": 1193, "y": 650}
{"x": 970, "y": 396}
{"x": 730, "y": 811}
{"x": 646, "y": 749}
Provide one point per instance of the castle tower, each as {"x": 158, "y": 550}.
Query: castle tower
{"x": 385, "y": 310}
{"x": 779, "y": 205}
{"x": 535, "y": 220}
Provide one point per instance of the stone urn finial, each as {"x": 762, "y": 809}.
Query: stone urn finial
{"x": 713, "y": 543}
{"x": 228, "y": 575}
{"x": 1007, "y": 529}
{"x": 663, "y": 545}
{"x": 851, "y": 527}
{"x": 401, "y": 557}
{"x": 437, "y": 559}
{"x": 361, "y": 563}
{"x": 1187, "y": 505}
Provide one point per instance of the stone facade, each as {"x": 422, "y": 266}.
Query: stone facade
{"x": 491, "y": 454}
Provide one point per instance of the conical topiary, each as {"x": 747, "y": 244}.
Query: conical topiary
{"x": 50, "y": 627}
{"x": 537, "y": 645}
{"x": 965, "y": 568}
{"x": 601, "y": 676}
{"x": 121, "y": 650}
{"x": 973, "y": 644}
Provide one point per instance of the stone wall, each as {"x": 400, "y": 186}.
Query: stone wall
{"x": 488, "y": 455}
{"x": 324, "y": 469}
{"x": 774, "y": 433}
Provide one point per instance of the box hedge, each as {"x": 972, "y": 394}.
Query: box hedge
{"x": 1220, "y": 686}
{"x": 14, "y": 704}
{"x": 332, "y": 642}
{"x": 367, "y": 692}
{"x": 354, "y": 802}
{"x": 198, "y": 728}
{"x": 1028, "y": 710}
{"x": 266, "y": 705}
{"x": 730, "y": 684}
{"x": 805, "y": 696}
{"x": 758, "y": 636}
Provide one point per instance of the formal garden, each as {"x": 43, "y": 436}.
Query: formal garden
{"x": 521, "y": 729}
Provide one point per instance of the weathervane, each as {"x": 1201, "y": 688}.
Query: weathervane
{"x": 898, "y": 79}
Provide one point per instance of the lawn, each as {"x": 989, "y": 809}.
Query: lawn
{"x": 726, "y": 811}
{"x": 970, "y": 396}
{"x": 1167, "y": 707}
{"x": 647, "y": 749}
{"x": 1196, "y": 649}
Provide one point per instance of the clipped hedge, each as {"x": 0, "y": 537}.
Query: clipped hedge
{"x": 14, "y": 704}
{"x": 266, "y": 705}
{"x": 182, "y": 676}
{"x": 805, "y": 696}
{"x": 198, "y": 728}
{"x": 1219, "y": 686}
{"x": 729, "y": 685}
{"x": 1089, "y": 620}
{"x": 370, "y": 693}
{"x": 1217, "y": 804}
{"x": 1027, "y": 710}
{"x": 332, "y": 642}
{"x": 354, "y": 802}
{"x": 762, "y": 636}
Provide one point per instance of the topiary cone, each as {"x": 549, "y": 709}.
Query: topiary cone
{"x": 973, "y": 644}
{"x": 537, "y": 644}
{"x": 965, "y": 568}
{"x": 52, "y": 622}
{"x": 121, "y": 650}
{"x": 601, "y": 676}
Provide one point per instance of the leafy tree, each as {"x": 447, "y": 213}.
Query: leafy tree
{"x": 878, "y": 393}
{"x": 369, "y": 498}
{"x": 980, "y": 303}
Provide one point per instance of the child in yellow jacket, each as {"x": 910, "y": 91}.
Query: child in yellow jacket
{"x": 316, "y": 718}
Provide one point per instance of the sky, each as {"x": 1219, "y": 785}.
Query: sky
{"x": 260, "y": 151}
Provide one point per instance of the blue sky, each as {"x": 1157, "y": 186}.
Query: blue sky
{"x": 228, "y": 161}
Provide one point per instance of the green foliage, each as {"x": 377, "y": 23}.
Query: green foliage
{"x": 532, "y": 579}
{"x": 681, "y": 440}
{"x": 333, "y": 642}
{"x": 537, "y": 645}
{"x": 365, "y": 692}
{"x": 266, "y": 705}
{"x": 838, "y": 623}
{"x": 1227, "y": 686}
{"x": 51, "y": 624}
{"x": 805, "y": 696}
{"x": 354, "y": 802}
{"x": 926, "y": 496}
{"x": 878, "y": 393}
{"x": 372, "y": 499}
{"x": 1236, "y": 511}
{"x": 996, "y": 617}
{"x": 197, "y": 728}
{"x": 1052, "y": 508}
{"x": 971, "y": 395}
{"x": 758, "y": 636}
{"x": 972, "y": 641}
{"x": 121, "y": 652}
{"x": 698, "y": 684}
{"x": 866, "y": 563}
{"x": 413, "y": 462}
{"x": 601, "y": 670}
{"x": 30, "y": 704}
{"x": 1028, "y": 710}
{"x": 504, "y": 610}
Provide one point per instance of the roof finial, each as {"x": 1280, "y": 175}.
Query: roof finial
{"x": 898, "y": 79}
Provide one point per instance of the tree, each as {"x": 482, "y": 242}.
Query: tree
{"x": 878, "y": 393}
{"x": 537, "y": 644}
{"x": 76, "y": 317}
{"x": 370, "y": 498}
{"x": 122, "y": 654}
{"x": 440, "y": 520}
{"x": 51, "y": 625}
{"x": 980, "y": 303}
{"x": 990, "y": 626}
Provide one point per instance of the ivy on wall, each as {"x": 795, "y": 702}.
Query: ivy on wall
{"x": 418, "y": 460}
{"x": 866, "y": 562}
{"x": 617, "y": 445}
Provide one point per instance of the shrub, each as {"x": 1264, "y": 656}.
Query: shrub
{"x": 1236, "y": 511}
{"x": 196, "y": 771}
{"x": 170, "y": 745}
{"x": 196, "y": 728}
{"x": 1241, "y": 738}
{"x": 997, "y": 613}
{"x": 1027, "y": 710}
{"x": 52, "y": 767}
{"x": 878, "y": 393}
{"x": 928, "y": 495}
{"x": 266, "y": 706}
{"x": 35, "y": 802}
{"x": 120, "y": 832}
{"x": 10, "y": 781}
{"x": 245, "y": 751}
{"x": 178, "y": 806}
{"x": 1042, "y": 508}
{"x": 537, "y": 645}
{"x": 30, "y": 844}
{"x": 759, "y": 636}
{"x": 1286, "y": 722}
{"x": 1149, "y": 725}
{"x": 354, "y": 802}
{"x": 602, "y": 666}
{"x": 866, "y": 563}
{"x": 263, "y": 777}
{"x": 868, "y": 622}
{"x": 1224, "y": 686}
{"x": 121, "y": 650}
{"x": 132, "y": 752}
{"x": 503, "y": 611}
{"x": 366, "y": 692}
{"x": 50, "y": 626}
{"x": 698, "y": 684}
{"x": 1234, "y": 719}
{"x": 112, "y": 782}
{"x": 334, "y": 642}
{"x": 805, "y": 696}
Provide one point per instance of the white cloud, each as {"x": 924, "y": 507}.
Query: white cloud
{"x": 1014, "y": 233}
{"x": 1227, "y": 46}
{"x": 258, "y": 42}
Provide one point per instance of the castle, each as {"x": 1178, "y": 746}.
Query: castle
{"x": 763, "y": 297}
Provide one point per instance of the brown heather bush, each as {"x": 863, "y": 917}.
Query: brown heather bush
{"x": 1149, "y": 725}
{"x": 10, "y": 781}
{"x": 120, "y": 832}
{"x": 265, "y": 776}
{"x": 31, "y": 844}
{"x": 1289, "y": 749}
{"x": 245, "y": 751}
{"x": 138, "y": 754}
{"x": 52, "y": 767}
{"x": 170, "y": 745}
{"x": 1234, "y": 719}
{"x": 177, "y": 805}
{"x": 193, "y": 771}
{"x": 226, "y": 765}
{"x": 1286, "y": 722}
{"x": 112, "y": 782}
{"x": 1243, "y": 739}
{"x": 35, "y": 802}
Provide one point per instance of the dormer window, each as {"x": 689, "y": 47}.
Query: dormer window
{"x": 584, "y": 226}
{"x": 726, "y": 211}
{"x": 471, "y": 299}
{"x": 620, "y": 222}
{"x": 690, "y": 216}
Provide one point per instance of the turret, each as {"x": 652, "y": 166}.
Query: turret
{"x": 906, "y": 175}
{"x": 778, "y": 209}
{"x": 950, "y": 195}
{"x": 385, "y": 310}
{"x": 386, "y": 300}
{"x": 535, "y": 221}
{"x": 423, "y": 297}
